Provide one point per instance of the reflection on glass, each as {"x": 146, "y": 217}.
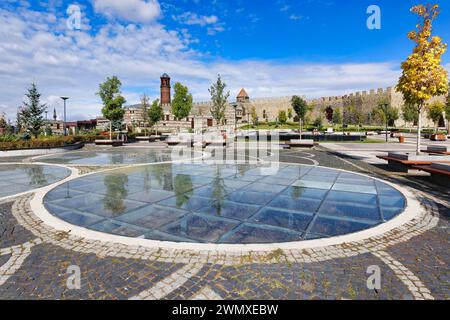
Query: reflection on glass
{"x": 217, "y": 200}
{"x": 37, "y": 176}
{"x": 243, "y": 168}
{"x": 219, "y": 191}
{"x": 116, "y": 192}
{"x": 183, "y": 188}
{"x": 297, "y": 192}
{"x": 117, "y": 158}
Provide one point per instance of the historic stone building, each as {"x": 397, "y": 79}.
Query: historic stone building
{"x": 200, "y": 115}
{"x": 268, "y": 109}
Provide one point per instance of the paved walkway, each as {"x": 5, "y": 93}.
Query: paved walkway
{"x": 38, "y": 262}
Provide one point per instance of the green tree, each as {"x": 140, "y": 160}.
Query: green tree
{"x": 301, "y": 108}
{"x": 33, "y": 111}
{"x": 21, "y": 119}
{"x": 318, "y": 122}
{"x": 282, "y": 117}
{"x": 410, "y": 113}
{"x": 290, "y": 115}
{"x": 337, "y": 117}
{"x": 145, "y": 104}
{"x": 385, "y": 113}
{"x": 353, "y": 116}
{"x": 112, "y": 101}
{"x": 254, "y": 115}
{"x": 182, "y": 101}
{"x": 423, "y": 75}
{"x": 265, "y": 115}
{"x": 155, "y": 113}
{"x": 3, "y": 123}
{"x": 435, "y": 113}
{"x": 219, "y": 99}
{"x": 447, "y": 111}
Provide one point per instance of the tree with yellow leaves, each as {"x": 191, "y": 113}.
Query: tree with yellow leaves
{"x": 423, "y": 75}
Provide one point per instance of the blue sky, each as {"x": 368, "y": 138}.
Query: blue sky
{"x": 273, "y": 48}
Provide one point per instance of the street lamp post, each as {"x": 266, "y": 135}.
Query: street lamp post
{"x": 385, "y": 106}
{"x": 46, "y": 122}
{"x": 248, "y": 125}
{"x": 344, "y": 115}
{"x": 235, "y": 118}
{"x": 64, "y": 124}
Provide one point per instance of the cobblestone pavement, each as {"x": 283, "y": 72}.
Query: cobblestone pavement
{"x": 413, "y": 260}
{"x": 11, "y": 233}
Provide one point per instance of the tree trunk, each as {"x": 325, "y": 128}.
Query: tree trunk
{"x": 419, "y": 132}
{"x": 110, "y": 130}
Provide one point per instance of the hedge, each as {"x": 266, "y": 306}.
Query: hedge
{"x": 12, "y": 142}
{"x": 41, "y": 143}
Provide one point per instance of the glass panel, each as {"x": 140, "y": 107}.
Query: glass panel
{"x": 207, "y": 229}
{"x": 337, "y": 209}
{"x": 302, "y": 205}
{"x": 216, "y": 203}
{"x": 284, "y": 219}
{"x": 230, "y": 210}
{"x": 256, "y": 234}
{"x": 334, "y": 227}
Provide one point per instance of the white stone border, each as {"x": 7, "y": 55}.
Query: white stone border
{"x": 413, "y": 209}
{"x": 39, "y": 152}
{"x": 42, "y": 157}
{"x": 73, "y": 175}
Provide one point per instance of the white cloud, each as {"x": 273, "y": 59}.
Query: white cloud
{"x": 295, "y": 17}
{"x": 74, "y": 63}
{"x": 190, "y": 18}
{"x": 212, "y": 24}
{"x": 139, "y": 11}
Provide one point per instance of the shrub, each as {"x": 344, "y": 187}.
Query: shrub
{"x": 15, "y": 143}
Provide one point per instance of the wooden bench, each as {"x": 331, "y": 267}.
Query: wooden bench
{"x": 216, "y": 143}
{"x": 444, "y": 153}
{"x": 114, "y": 143}
{"x": 442, "y": 150}
{"x": 175, "y": 141}
{"x": 301, "y": 144}
{"x": 438, "y": 137}
{"x": 407, "y": 165}
{"x": 440, "y": 174}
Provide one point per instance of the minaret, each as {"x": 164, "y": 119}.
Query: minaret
{"x": 165, "y": 90}
{"x": 54, "y": 114}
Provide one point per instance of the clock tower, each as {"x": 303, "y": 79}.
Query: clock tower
{"x": 165, "y": 90}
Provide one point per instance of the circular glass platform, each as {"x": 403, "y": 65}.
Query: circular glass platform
{"x": 19, "y": 178}
{"x": 230, "y": 204}
{"x": 120, "y": 157}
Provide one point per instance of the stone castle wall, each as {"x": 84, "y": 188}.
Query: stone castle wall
{"x": 364, "y": 102}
